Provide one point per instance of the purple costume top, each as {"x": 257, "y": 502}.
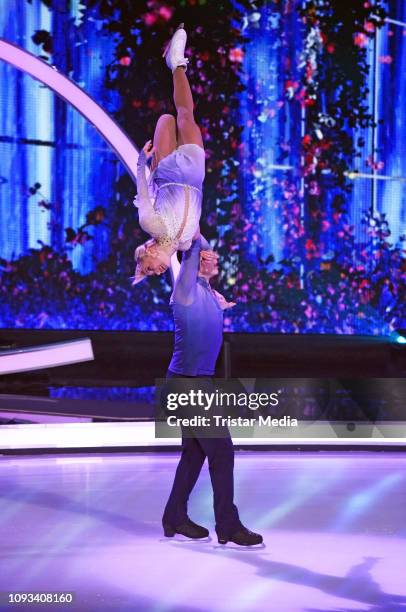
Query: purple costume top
{"x": 173, "y": 190}
{"x": 198, "y": 318}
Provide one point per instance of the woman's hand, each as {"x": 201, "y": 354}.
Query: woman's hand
{"x": 148, "y": 150}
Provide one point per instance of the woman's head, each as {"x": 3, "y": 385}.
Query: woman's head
{"x": 150, "y": 258}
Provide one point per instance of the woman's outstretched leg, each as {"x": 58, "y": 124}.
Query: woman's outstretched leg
{"x": 188, "y": 130}
{"x": 164, "y": 138}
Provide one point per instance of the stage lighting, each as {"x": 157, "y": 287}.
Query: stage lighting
{"x": 399, "y": 336}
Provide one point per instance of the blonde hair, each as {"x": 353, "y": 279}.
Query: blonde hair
{"x": 142, "y": 250}
{"x": 139, "y": 254}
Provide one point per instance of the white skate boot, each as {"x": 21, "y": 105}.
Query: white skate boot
{"x": 175, "y": 51}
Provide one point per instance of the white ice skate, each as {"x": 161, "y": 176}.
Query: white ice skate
{"x": 175, "y": 51}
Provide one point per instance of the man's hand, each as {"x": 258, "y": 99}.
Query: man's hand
{"x": 208, "y": 255}
{"x": 223, "y": 303}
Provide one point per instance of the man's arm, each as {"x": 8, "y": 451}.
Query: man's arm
{"x": 204, "y": 245}
{"x": 174, "y": 268}
{"x": 184, "y": 291}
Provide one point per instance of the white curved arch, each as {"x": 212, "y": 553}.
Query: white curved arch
{"x": 74, "y": 95}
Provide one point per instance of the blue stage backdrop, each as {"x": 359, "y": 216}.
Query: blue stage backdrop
{"x": 303, "y": 114}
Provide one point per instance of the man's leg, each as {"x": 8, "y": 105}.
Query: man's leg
{"x": 220, "y": 455}
{"x": 188, "y": 130}
{"x": 187, "y": 473}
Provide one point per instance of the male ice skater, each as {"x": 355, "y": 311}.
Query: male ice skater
{"x": 198, "y": 318}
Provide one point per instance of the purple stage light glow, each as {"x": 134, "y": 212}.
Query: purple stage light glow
{"x": 92, "y": 525}
{"x": 115, "y": 137}
{"x": 142, "y": 433}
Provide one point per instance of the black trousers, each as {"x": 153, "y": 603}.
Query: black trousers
{"x": 220, "y": 456}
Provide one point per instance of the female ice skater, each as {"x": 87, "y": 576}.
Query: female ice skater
{"x": 178, "y": 169}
